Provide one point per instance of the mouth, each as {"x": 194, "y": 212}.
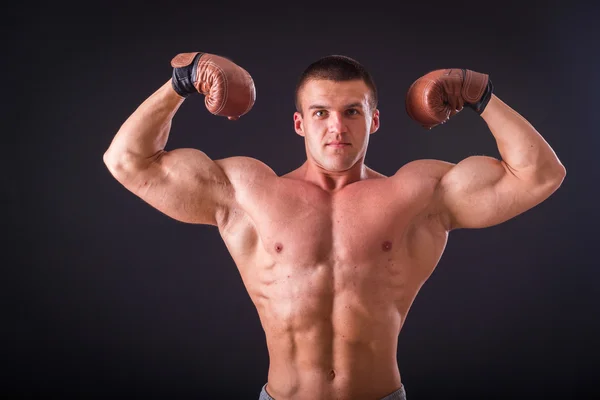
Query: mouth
{"x": 338, "y": 145}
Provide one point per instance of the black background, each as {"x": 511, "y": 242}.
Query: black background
{"x": 104, "y": 296}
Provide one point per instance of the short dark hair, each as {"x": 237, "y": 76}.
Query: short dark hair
{"x": 337, "y": 68}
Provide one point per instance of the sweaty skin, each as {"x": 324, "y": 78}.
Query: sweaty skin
{"x": 333, "y": 253}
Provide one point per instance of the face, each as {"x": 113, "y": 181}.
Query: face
{"x": 336, "y": 122}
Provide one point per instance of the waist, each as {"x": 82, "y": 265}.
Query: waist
{"x": 399, "y": 394}
{"x": 328, "y": 366}
{"x": 361, "y": 381}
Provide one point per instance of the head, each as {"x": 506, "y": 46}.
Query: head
{"x": 336, "y": 102}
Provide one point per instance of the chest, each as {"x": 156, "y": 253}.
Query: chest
{"x": 301, "y": 225}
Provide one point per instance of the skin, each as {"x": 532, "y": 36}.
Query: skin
{"x": 333, "y": 253}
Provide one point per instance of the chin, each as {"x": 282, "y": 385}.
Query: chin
{"x": 338, "y": 167}
{"x": 339, "y": 163}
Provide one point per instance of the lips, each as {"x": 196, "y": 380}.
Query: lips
{"x": 338, "y": 144}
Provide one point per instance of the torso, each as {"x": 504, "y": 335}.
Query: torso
{"x": 333, "y": 275}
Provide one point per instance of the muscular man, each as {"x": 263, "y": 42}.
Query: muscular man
{"x": 333, "y": 253}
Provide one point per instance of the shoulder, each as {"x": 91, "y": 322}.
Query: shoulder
{"x": 428, "y": 169}
{"x": 423, "y": 177}
{"x": 248, "y": 178}
{"x": 242, "y": 169}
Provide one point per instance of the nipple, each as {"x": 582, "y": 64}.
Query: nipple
{"x": 278, "y": 247}
{"x": 387, "y": 245}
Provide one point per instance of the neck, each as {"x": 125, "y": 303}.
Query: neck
{"x": 332, "y": 181}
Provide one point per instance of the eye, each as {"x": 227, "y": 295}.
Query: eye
{"x": 352, "y": 111}
{"x": 320, "y": 113}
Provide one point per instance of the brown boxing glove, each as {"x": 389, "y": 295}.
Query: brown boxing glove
{"x": 229, "y": 89}
{"x": 435, "y": 97}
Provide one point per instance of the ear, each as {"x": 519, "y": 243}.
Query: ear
{"x": 298, "y": 124}
{"x": 375, "y": 121}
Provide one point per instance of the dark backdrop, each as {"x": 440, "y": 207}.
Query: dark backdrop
{"x": 105, "y": 296}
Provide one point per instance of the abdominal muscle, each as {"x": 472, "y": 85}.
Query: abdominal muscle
{"x": 332, "y": 330}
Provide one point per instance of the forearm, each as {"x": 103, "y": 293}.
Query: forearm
{"x": 521, "y": 147}
{"x": 146, "y": 131}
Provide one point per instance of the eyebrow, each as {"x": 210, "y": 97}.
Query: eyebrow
{"x": 321, "y": 107}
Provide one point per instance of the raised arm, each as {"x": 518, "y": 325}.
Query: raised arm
{"x": 482, "y": 191}
{"x": 184, "y": 184}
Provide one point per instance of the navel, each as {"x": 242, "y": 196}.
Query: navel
{"x": 278, "y": 247}
{"x": 386, "y": 246}
{"x": 331, "y": 375}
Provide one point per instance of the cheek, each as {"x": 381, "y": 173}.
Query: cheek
{"x": 358, "y": 127}
{"x": 314, "y": 123}
{"x": 366, "y": 123}
{"x": 314, "y": 128}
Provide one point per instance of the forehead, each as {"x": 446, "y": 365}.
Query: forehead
{"x": 331, "y": 92}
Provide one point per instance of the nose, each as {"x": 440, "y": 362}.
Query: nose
{"x": 336, "y": 122}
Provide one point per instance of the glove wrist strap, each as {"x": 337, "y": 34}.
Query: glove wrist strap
{"x": 184, "y": 78}
{"x": 483, "y": 102}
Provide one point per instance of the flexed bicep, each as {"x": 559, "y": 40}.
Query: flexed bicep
{"x": 184, "y": 184}
{"x": 482, "y": 191}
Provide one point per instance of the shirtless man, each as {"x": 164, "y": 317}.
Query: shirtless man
{"x": 333, "y": 253}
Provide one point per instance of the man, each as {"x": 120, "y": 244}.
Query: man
{"x": 333, "y": 253}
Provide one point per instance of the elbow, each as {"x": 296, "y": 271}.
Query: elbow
{"x": 124, "y": 165}
{"x": 553, "y": 176}
{"x": 107, "y": 158}
{"x": 119, "y": 164}
{"x": 112, "y": 162}
{"x": 559, "y": 172}
{"x": 562, "y": 173}
{"x": 546, "y": 178}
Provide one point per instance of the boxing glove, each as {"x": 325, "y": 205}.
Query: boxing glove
{"x": 435, "y": 97}
{"x": 228, "y": 88}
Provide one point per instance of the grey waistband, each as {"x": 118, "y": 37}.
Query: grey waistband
{"x": 399, "y": 394}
